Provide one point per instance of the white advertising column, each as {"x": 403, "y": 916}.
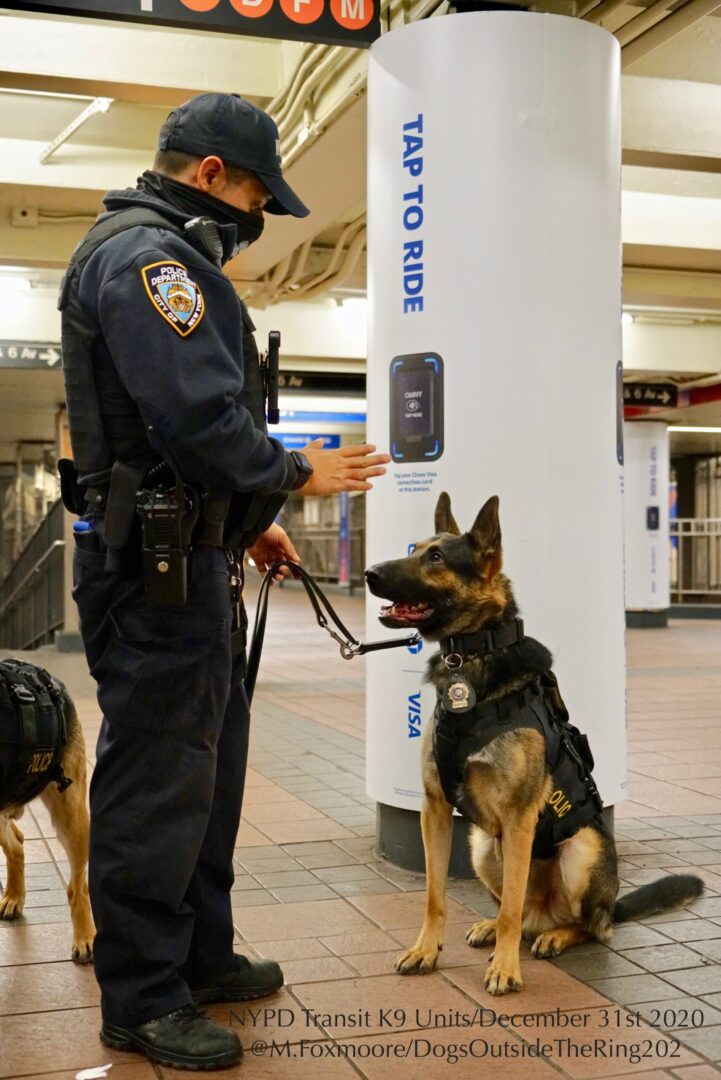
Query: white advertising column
{"x": 494, "y": 276}
{"x": 646, "y": 530}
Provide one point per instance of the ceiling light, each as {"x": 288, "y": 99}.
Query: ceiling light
{"x": 696, "y": 430}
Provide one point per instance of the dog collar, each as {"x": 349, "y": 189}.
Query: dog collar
{"x": 482, "y": 642}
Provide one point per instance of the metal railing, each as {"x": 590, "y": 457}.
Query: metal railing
{"x": 319, "y": 550}
{"x": 32, "y": 594}
{"x": 695, "y": 553}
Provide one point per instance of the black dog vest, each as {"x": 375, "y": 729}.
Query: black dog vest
{"x": 33, "y": 732}
{"x": 574, "y": 798}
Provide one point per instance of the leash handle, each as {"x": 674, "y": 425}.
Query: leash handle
{"x": 325, "y": 615}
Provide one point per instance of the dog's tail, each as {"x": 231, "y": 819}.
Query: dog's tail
{"x": 666, "y": 894}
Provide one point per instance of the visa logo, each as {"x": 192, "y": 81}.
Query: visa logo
{"x": 414, "y": 715}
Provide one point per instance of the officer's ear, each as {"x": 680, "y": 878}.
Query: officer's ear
{"x": 210, "y": 175}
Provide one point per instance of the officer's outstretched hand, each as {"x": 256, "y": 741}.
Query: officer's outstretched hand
{"x": 347, "y": 469}
{"x": 274, "y": 545}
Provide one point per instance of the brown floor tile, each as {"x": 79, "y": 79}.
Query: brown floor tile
{"x": 55, "y": 1041}
{"x": 402, "y": 910}
{"x": 270, "y": 793}
{"x": 38, "y": 988}
{"x": 617, "y": 1042}
{"x": 294, "y": 949}
{"x": 248, "y": 836}
{"x": 334, "y": 874}
{"x": 31, "y": 944}
{"x": 319, "y": 862}
{"x": 278, "y": 1018}
{"x": 379, "y": 1002}
{"x": 367, "y": 942}
{"x": 296, "y": 1065}
{"x": 697, "y": 1072}
{"x": 545, "y": 988}
{"x": 302, "y": 893}
{"x": 437, "y": 1053}
{"x": 315, "y": 969}
{"x": 301, "y": 920}
{"x": 281, "y": 811}
{"x": 290, "y": 832}
{"x": 374, "y": 963}
{"x": 138, "y": 1069}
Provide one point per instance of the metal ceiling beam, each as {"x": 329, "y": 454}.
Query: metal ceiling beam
{"x": 666, "y": 29}
{"x": 98, "y": 105}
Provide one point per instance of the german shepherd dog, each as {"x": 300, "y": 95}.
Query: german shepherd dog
{"x": 69, "y": 815}
{"x": 452, "y": 585}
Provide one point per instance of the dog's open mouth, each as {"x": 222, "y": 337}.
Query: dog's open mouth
{"x": 406, "y": 614}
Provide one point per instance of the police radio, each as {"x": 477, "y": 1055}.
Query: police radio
{"x": 269, "y": 367}
{"x": 167, "y": 517}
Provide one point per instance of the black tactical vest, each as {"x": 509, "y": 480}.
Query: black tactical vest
{"x": 33, "y": 732}
{"x": 105, "y": 423}
{"x": 574, "y": 798}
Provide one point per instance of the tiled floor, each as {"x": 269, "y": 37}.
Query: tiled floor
{"x": 310, "y": 893}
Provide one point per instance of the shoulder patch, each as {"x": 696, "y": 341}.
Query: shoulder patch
{"x": 174, "y": 295}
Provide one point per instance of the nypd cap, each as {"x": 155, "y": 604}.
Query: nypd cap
{"x": 239, "y": 133}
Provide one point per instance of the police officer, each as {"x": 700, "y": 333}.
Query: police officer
{"x": 161, "y": 374}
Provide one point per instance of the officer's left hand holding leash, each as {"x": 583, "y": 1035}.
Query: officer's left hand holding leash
{"x": 273, "y": 546}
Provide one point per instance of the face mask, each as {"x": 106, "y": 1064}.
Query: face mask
{"x": 238, "y": 228}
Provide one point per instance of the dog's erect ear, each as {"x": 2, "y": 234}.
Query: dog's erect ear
{"x": 485, "y": 536}
{"x": 445, "y": 522}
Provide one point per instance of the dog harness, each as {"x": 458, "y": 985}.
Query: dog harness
{"x": 574, "y": 798}
{"x": 33, "y": 732}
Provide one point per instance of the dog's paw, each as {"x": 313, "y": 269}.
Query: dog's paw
{"x": 11, "y": 907}
{"x": 550, "y": 943}
{"x": 417, "y": 961}
{"x": 82, "y": 951}
{"x": 482, "y": 933}
{"x": 503, "y": 978}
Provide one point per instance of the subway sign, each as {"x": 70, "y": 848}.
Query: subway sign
{"x": 330, "y": 22}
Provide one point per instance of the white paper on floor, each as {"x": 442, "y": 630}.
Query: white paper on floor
{"x": 97, "y": 1073}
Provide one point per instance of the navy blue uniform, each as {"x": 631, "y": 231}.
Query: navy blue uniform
{"x": 166, "y": 793}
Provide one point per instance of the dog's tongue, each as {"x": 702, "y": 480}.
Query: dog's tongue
{"x": 407, "y": 612}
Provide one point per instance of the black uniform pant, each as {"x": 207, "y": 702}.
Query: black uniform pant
{"x": 166, "y": 793}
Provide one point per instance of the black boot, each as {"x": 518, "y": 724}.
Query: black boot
{"x": 249, "y": 979}
{"x": 184, "y": 1039}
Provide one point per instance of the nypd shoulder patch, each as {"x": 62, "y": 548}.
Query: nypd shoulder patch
{"x": 174, "y": 295}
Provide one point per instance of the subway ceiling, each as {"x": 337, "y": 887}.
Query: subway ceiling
{"x": 81, "y": 102}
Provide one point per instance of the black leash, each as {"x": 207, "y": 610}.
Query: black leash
{"x": 324, "y": 613}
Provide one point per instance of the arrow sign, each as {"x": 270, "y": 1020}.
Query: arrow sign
{"x": 29, "y": 354}
{"x": 653, "y": 395}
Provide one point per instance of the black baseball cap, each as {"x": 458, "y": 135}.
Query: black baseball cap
{"x": 239, "y": 133}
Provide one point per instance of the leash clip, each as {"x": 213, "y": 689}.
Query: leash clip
{"x": 348, "y": 649}
{"x": 453, "y": 661}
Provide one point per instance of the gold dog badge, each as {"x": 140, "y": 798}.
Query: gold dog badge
{"x": 459, "y": 696}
